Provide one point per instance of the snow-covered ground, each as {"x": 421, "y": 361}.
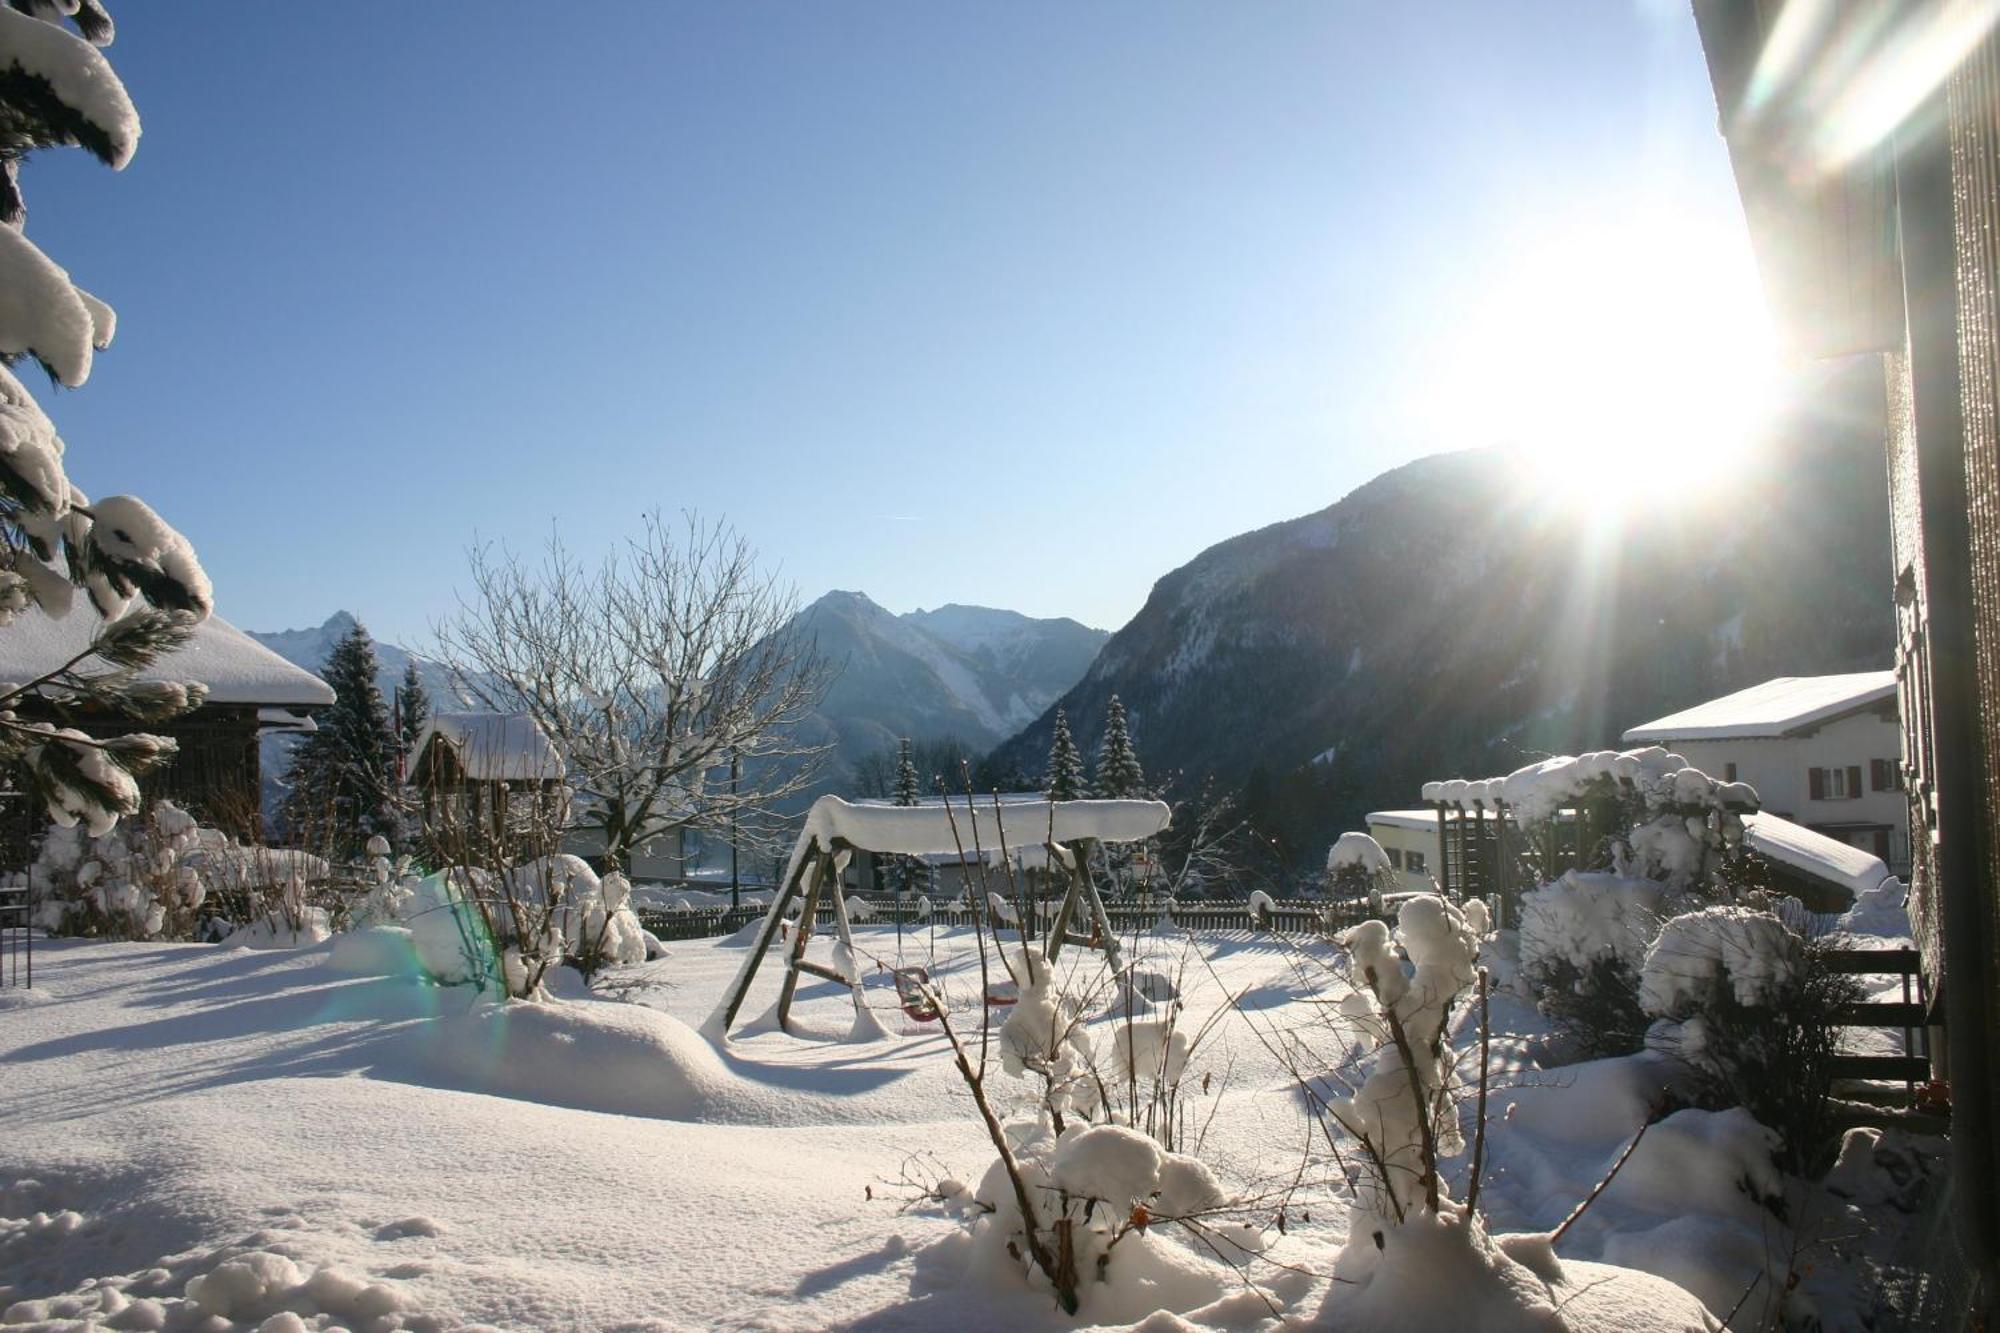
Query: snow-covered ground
{"x": 291, "y": 1140}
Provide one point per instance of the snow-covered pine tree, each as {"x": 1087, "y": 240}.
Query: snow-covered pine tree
{"x": 1065, "y": 774}
{"x": 906, "y": 774}
{"x": 413, "y": 708}
{"x": 58, "y": 90}
{"x": 342, "y": 778}
{"x": 1118, "y": 773}
{"x": 903, "y": 872}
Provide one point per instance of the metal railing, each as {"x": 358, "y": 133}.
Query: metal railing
{"x": 17, "y": 935}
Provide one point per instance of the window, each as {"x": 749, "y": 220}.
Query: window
{"x": 1395, "y": 856}
{"x": 1834, "y": 784}
{"x": 1884, "y": 775}
{"x": 1413, "y": 862}
{"x": 1729, "y": 772}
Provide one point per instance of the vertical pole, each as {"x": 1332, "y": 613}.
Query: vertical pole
{"x": 735, "y": 884}
{"x": 840, "y": 925}
{"x": 1443, "y": 853}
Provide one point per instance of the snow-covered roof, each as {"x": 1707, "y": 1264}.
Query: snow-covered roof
{"x": 1778, "y": 707}
{"x": 495, "y": 747}
{"x": 1813, "y": 853}
{"x": 235, "y": 667}
{"x": 1421, "y": 821}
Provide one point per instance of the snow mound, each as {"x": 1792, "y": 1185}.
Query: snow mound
{"x": 596, "y": 1056}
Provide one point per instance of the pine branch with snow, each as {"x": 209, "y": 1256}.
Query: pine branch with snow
{"x": 58, "y": 90}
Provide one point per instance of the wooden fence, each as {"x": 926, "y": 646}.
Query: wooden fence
{"x": 1285, "y": 918}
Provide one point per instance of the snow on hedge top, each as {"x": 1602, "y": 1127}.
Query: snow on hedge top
{"x": 495, "y": 747}
{"x": 1815, "y": 854}
{"x": 1356, "y": 849}
{"x": 1778, "y": 707}
{"x": 235, "y": 667}
{"x": 927, "y": 830}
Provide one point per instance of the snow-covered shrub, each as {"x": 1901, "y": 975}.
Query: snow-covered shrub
{"x": 506, "y": 929}
{"x": 1749, "y": 1007}
{"x": 1582, "y": 940}
{"x": 137, "y": 881}
{"x": 1357, "y": 867}
{"x": 1402, "y": 1113}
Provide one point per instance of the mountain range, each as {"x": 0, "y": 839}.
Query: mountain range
{"x": 973, "y": 674}
{"x": 1457, "y": 616}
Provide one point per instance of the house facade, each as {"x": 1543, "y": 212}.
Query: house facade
{"x": 1822, "y": 751}
{"x": 1886, "y": 250}
{"x": 1410, "y": 838}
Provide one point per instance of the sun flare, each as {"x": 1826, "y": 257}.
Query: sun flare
{"x": 1631, "y": 363}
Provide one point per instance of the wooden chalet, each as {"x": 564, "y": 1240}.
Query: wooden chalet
{"x": 217, "y": 774}
{"x": 1865, "y": 141}
{"x": 485, "y": 773}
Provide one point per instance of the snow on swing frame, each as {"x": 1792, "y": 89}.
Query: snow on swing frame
{"x": 835, "y": 829}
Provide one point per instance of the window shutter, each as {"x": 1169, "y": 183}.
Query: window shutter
{"x": 1853, "y": 781}
{"x": 1878, "y": 775}
{"x": 1816, "y": 784}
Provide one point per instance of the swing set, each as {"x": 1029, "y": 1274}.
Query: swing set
{"x": 836, "y": 829}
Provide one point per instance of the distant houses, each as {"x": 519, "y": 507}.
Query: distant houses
{"x": 216, "y": 775}
{"x": 1822, "y": 751}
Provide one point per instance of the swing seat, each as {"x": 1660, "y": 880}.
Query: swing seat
{"x": 910, "y": 983}
{"x": 1002, "y": 993}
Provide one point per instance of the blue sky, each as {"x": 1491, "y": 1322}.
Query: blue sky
{"x": 1013, "y": 304}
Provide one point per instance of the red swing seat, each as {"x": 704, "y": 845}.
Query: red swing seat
{"x": 910, "y": 983}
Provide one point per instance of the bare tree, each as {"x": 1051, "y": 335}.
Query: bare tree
{"x": 670, "y": 677}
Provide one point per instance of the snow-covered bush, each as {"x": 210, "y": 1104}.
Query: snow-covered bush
{"x": 1750, "y": 1008}
{"x": 1582, "y": 941}
{"x": 1402, "y": 1112}
{"x": 138, "y": 881}
{"x": 505, "y": 930}
{"x": 1357, "y": 867}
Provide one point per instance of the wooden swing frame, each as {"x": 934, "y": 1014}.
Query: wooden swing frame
{"x": 818, "y": 869}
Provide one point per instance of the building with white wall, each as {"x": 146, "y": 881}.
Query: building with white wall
{"x": 1822, "y": 751}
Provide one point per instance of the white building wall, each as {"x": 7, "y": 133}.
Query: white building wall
{"x": 1777, "y": 768}
{"x": 1401, "y": 840}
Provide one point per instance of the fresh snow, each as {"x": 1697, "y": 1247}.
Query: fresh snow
{"x": 176, "y": 1111}
{"x": 1776, "y": 707}
{"x": 235, "y": 668}
{"x": 495, "y": 747}
{"x": 1816, "y": 854}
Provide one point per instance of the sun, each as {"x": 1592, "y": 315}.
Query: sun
{"x": 1631, "y": 361}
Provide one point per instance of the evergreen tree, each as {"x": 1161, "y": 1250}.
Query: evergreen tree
{"x": 57, "y": 90}
{"x": 413, "y": 708}
{"x": 906, "y": 774}
{"x": 1118, "y": 772}
{"x": 342, "y": 778}
{"x": 1065, "y": 774}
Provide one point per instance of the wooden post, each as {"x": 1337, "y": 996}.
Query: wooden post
{"x": 1443, "y": 853}
{"x": 840, "y": 925}
{"x": 765, "y": 934}
{"x": 822, "y": 866}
